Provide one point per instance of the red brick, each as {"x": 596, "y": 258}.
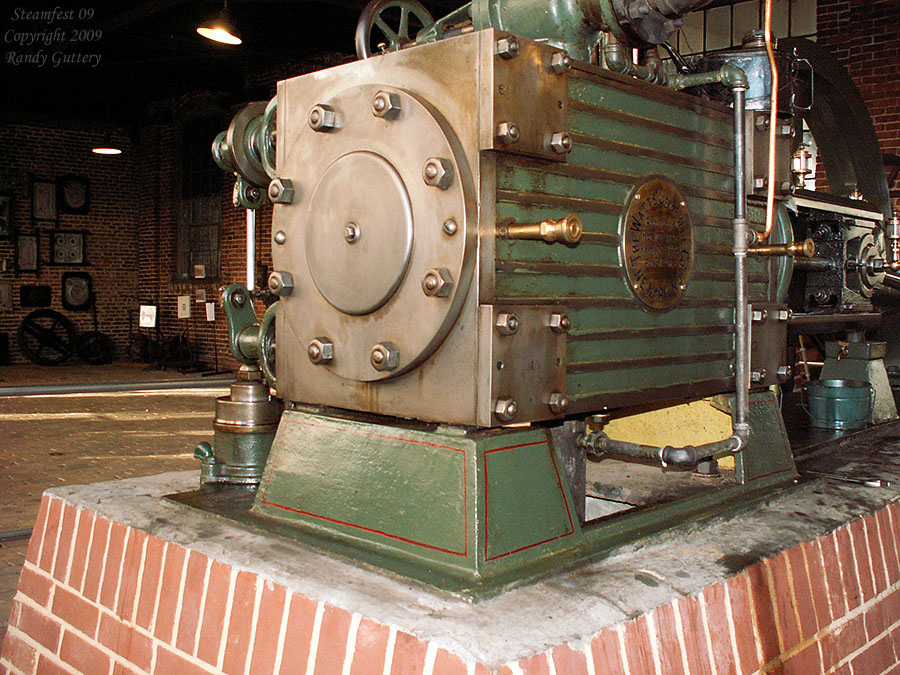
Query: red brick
{"x": 446, "y": 663}
{"x": 804, "y": 662}
{"x": 168, "y": 661}
{"x": 409, "y": 654}
{"x": 370, "y": 648}
{"x": 567, "y": 660}
{"x": 637, "y": 646}
{"x": 667, "y": 645}
{"x": 786, "y": 613}
{"x": 40, "y": 627}
{"x": 50, "y": 667}
{"x": 237, "y": 640}
{"x": 863, "y": 559}
{"x": 803, "y": 595}
{"x": 607, "y": 653}
{"x": 80, "y": 551}
{"x": 191, "y": 598}
{"x": 64, "y": 545}
{"x": 719, "y": 628}
{"x": 268, "y": 629}
{"x": 48, "y": 550}
{"x": 19, "y": 653}
{"x": 739, "y": 597}
{"x": 35, "y": 586}
{"x": 298, "y": 634}
{"x": 75, "y": 611}
{"x": 131, "y": 571}
{"x": 164, "y": 625}
{"x": 94, "y": 568}
{"x": 146, "y": 601}
{"x": 125, "y": 641}
{"x": 852, "y": 593}
{"x": 37, "y": 533}
{"x": 875, "y": 620}
{"x": 845, "y": 640}
{"x": 217, "y": 591}
{"x": 888, "y": 546}
{"x": 113, "y": 568}
{"x": 85, "y": 657}
{"x": 876, "y": 556}
{"x": 122, "y": 669}
{"x": 832, "y": 562}
{"x": 817, "y": 584}
{"x": 876, "y": 658}
{"x": 533, "y": 665}
{"x": 694, "y": 630}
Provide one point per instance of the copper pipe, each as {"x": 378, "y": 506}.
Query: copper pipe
{"x": 773, "y": 124}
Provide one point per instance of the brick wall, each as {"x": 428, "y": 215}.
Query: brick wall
{"x": 864, "y": 35}
{"x": 96, "y": 596}
{"x": 46, "y": 153}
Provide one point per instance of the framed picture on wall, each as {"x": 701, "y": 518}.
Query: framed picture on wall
{"x": 26, "y": 250}
{"x": 74, "y": 194}
{"x": 43, "y": 200}
{"x": 67, "y": 247}
{"x": 5, "y": 215}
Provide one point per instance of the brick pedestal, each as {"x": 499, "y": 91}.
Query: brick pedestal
{"x": 136, "y": 592}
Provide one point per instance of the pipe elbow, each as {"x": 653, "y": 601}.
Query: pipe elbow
{"x": 734, "y": 77}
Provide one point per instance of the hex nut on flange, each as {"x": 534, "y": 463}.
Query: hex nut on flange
{"x": 561, "y": 143}
{"x": 281, "y": 191}
{"x": 560, "y": 323}
{"x": 438, "y": 172}
{"x": 320, "y": 351}
{"x": 385, "y": 356}
{"x": 784, "y": 373}
{"x": 507, "y": 132}
{"x": 506, "y": 409}
{"x": 281, "y": 283}
{"x": 386, "y": 104}
{"x": 558, "y": 402}
{"x": 508, "y": 47}
{"x": 437, "y": 282}
{"x": 560, "y": 63}
{"x": 322, "y": 117}
{"x": 507, "y": 324}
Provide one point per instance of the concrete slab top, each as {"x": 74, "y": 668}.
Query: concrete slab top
{"x": 628, "y": 582}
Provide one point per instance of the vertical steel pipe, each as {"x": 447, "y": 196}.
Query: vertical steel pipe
{"x": 251, "y": 249}
{"x": 741, "y": 309}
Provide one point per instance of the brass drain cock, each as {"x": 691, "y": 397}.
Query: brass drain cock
{"x": 566, "y": 230}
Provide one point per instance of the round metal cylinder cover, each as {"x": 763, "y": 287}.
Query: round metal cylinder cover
{"x": 373, "y": 248}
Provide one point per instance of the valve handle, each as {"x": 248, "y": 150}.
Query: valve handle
{"x": 396, "y": 39}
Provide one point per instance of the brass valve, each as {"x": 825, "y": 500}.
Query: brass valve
{"x": 804, "y": 249}
{"x": 566, "y": 230}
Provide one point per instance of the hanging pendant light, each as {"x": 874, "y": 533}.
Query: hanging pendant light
{"x": 220, "y": 28}
{"x": 106, "y": 146}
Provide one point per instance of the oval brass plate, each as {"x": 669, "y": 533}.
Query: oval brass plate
{"x": 657, "y": 243}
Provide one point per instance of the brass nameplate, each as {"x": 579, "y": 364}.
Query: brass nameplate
{"x": 657, "y": 243}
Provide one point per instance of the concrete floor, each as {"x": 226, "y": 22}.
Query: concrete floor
{"x": 49, "y": 441}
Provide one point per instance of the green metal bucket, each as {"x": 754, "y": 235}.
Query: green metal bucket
{"x": 839, "y": 404}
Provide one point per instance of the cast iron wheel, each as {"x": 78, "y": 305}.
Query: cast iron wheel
{"x": 46, "y": 337}
{"x": 378, "y": 13}
{"x": 95, "y": 348}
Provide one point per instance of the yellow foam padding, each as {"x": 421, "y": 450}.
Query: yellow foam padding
{"x": 691, "y": 423}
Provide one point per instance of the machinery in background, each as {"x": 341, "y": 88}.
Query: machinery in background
{"x": 502, "y": 233}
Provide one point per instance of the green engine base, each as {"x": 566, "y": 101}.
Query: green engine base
{"x": 471, "y": 511}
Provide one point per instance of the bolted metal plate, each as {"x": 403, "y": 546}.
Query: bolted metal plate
{"x": 657, "y": 242}
{"x": 363, "y": 286}
{"x": 351, "y": 237}
{"x": 529, "y": 94}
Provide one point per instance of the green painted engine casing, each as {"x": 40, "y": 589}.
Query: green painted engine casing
{"x": 455, "y": 365}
